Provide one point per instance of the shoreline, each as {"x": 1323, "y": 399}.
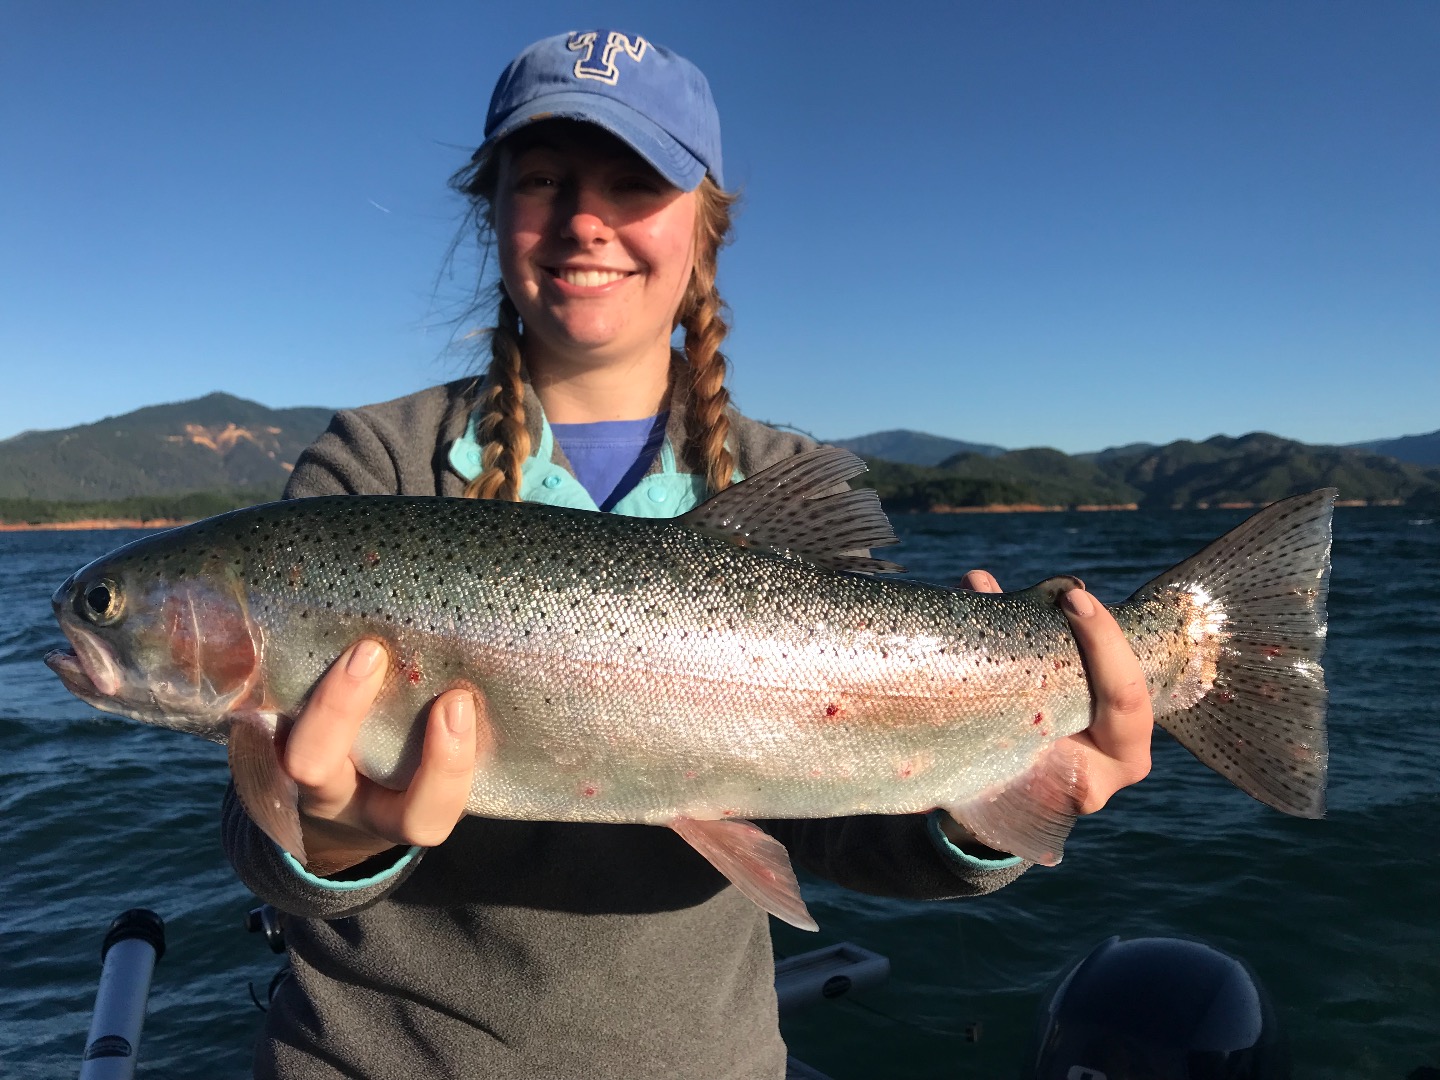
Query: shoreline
{"x": 1086, "y": 508}
{"x": 100, "y": 524}
{"x": 92, "y": 524}
{"x": 1024, "y": 508}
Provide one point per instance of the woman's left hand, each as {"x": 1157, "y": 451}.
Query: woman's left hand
{"x": 1116, "y": 745}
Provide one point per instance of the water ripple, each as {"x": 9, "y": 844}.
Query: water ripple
{"x": 102, "y": 815}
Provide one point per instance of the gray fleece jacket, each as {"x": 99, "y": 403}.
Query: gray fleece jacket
{"x": 531, "y": 950}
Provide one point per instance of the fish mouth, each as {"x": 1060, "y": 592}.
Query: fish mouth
{"x": 67, "y": 665}
{"x": 89, "y": 670}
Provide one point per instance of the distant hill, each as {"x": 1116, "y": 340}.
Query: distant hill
{"x": 1048, "y": 476}
{"x": 235, "y": 449}
{"x": 1416, "y": 449}
{"x": 1260, "y": 468}
{"x": 1117, "y": 451}
{"x": 215, "y": 443}
{"x": 1252, "y": 470}
{"x": 1023, "y": 477}
{"x": 912, "y": 447}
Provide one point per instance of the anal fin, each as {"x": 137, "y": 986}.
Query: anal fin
{"x": 265, "y": 789}
{"x": 1031, "y": 815}
{"x": 754, "y": 862}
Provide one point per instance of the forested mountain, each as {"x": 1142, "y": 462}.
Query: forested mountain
{"x": 1261, "y": 468}
{"x": 1253, "y": 469}
{"x": 1416, "y": 449}
{"x": 240, "y": 451}
{"x": 912, "y": 447}
{"x": 214, "y": 443}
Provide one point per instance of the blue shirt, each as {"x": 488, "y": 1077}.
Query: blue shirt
{"x": 610, "y": 456}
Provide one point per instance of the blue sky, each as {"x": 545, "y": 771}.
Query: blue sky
{"x": 1050, "y": 222}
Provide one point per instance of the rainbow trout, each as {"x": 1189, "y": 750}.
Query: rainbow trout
{"x": 742, "y": 661}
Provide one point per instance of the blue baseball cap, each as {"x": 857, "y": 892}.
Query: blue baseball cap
{"x": 654, "y": 100}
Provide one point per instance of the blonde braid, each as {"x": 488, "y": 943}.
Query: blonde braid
{"x": 701, "y": 314}
{"x": 501, "y": 429}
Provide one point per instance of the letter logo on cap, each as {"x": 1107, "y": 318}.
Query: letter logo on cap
{"x": 605, "y": 70}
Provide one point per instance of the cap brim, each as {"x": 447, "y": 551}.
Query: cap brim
{"x": 667, "y": 156}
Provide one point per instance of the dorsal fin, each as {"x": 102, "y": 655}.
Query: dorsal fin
{"x": 800, "y": 507}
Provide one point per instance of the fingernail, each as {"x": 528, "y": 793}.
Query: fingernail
{"x": 1078, "y": 602}
{"x": 457, "y": 715}
{"x": 364, "y": 659}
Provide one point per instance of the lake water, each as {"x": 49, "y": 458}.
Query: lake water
{"x": 1338, "y": 916}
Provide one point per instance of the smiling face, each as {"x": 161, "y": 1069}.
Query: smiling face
{"x": 596, "y": 249}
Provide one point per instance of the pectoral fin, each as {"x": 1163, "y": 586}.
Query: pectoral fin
{"x": 755, "y": 863}
{"x": 265, "y": 789}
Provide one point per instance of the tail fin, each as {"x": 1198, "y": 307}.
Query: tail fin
{"x": 1261, "y": 721}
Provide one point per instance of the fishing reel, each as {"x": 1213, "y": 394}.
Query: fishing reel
{"x": 267, "y": 921}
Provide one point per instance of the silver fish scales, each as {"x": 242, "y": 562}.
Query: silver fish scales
{"x": 740, "y": 662}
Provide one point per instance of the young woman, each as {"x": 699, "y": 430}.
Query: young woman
{"x": 428, "y": 942}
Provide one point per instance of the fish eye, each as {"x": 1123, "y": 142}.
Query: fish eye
{"x": 101, "y": 602}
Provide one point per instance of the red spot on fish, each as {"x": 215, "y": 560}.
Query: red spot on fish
{"x": 832, "y": 709}
{"x": 411, "y": 672}
{"x": 1272, "y": 651}
{"x": 589, "y": 790}
{"x": 727, "y": 813}
{"x": 372, "y": 558}
{"x": 1039, "y": 716}
{"x": 1059, "y": 664}
{"x": 690, "y": 774}
{"x": 815, "y": 774}
{"x": 906, "y": 770}
{"x": 296, "y": 572}
{"x": 861, "y": 625}
{"x": 1224, "y": 697}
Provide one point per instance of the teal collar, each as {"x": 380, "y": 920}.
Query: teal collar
{"x": 664, "y": 494}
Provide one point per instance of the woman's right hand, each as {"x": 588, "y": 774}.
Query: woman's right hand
{"x": 345, "y": 817}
